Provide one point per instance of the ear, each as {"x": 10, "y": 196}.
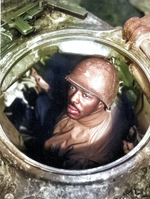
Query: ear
{"x": 101, "y": 105}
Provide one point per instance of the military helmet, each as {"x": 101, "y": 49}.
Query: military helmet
{"x": 98, "y": 77}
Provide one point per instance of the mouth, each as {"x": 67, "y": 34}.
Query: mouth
{"x": 72, "y": 111}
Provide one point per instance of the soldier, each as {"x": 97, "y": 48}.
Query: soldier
{"x": 89, "y": 134}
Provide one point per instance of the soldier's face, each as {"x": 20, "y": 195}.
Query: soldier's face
{"x": 81, "y": 103}
{"x": 41, "y": 83}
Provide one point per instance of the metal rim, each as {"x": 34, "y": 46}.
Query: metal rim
{"x": 63, "y": 36}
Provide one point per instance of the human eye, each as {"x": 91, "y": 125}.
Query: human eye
{"x": 86, "y": 95}
{"x": 72, "y": 87}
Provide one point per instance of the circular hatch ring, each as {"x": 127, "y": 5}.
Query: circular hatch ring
{"x": 29, "y": 53}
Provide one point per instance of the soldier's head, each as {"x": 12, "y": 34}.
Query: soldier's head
{"x": 94, "y": 84}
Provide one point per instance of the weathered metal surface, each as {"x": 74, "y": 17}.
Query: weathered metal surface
{"x": 24, "y": 18}
{"x": 24, "y": 178}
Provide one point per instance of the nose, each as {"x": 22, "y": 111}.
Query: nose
{"x": 75, "y": 97}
